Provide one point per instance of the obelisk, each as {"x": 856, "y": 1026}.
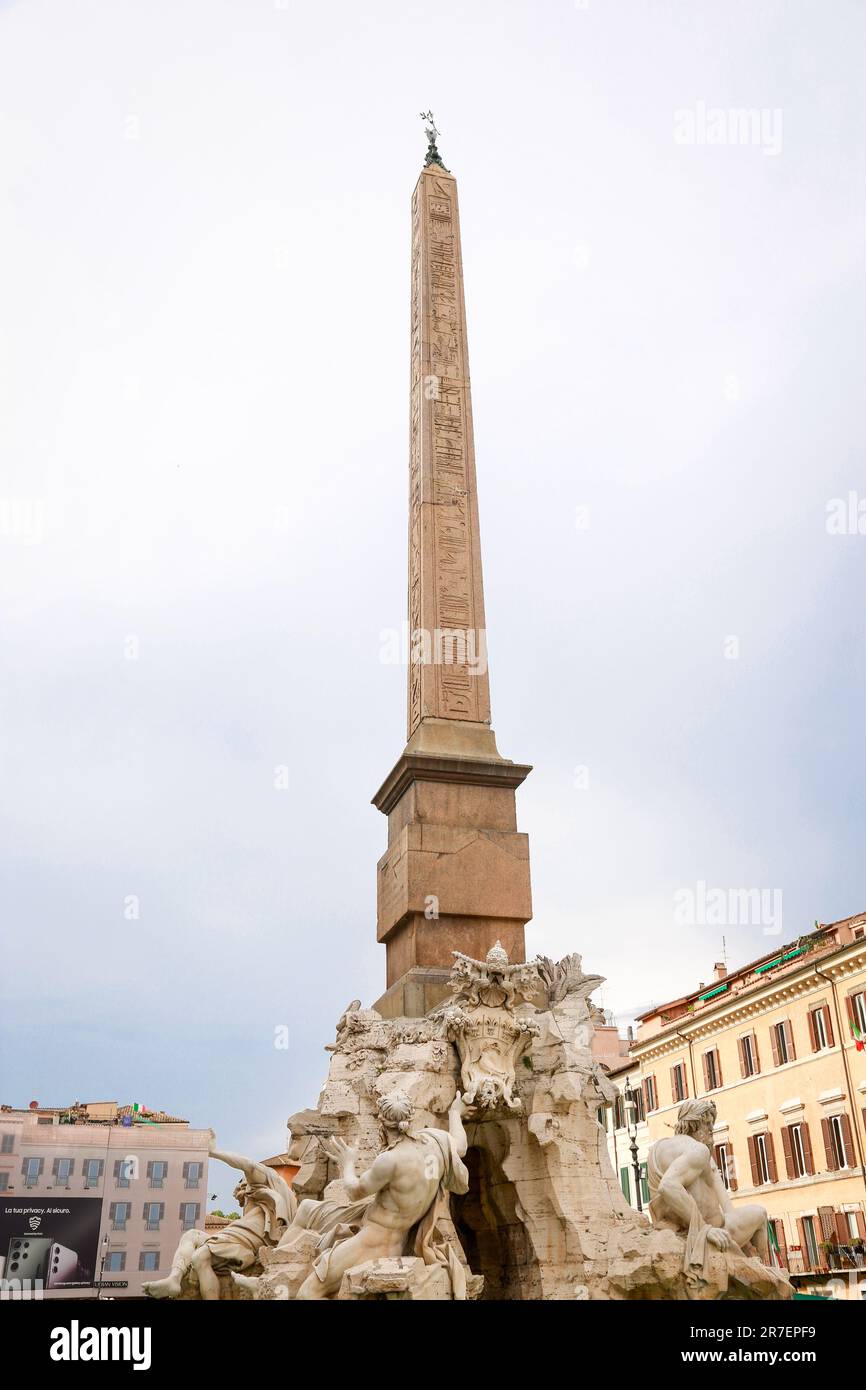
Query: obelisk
{"x": 455, "y": 875}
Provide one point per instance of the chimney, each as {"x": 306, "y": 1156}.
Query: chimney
{"x": 719, "y": 970}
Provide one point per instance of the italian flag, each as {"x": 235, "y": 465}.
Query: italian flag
{"x": 859, "y": 1040}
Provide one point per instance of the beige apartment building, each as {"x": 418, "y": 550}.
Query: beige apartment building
{"x": 94, "y": 1197}
{"x": 776, "y": 1043}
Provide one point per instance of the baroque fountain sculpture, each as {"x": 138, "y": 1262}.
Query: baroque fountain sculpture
{"x": 460, "y": 1155}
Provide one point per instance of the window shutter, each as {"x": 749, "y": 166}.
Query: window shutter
{"x": 117, "y": 1162}
{"x": 843, "y": 1235}
{"x": 150, "y": 1169}
{"x": 144, "y": 1212}
{"x": 112, "y": 1212}
{"x": 753, "y": 1160}
{"x": 828, "y": 1146}
{"x": 180, "y": 1212}
{"x": 774, "y": 1043}
{"x": 847, "y": 1140}
{"x": 197, "y": 1212}
{"x": 813, "y": 1031}
{"x": 787, "y": 1150}
{"x": 732, "y": 1169}
{"x": 685, "y": 1081}
{"x": 186, "y": 1170}
{"x": 55, "y": 1167}
{"x": 706, "y": 1063}
{"x": 861, "y": 1224}
{"x": 804, "y": 1244}
{"x": 674, "y": 1085}
{"x": 161, "y": 1210}
{"x": 771, "y": 1157}
{"x": 741, "y": 1052}
{"x": 828, "y": 1224}
{"x": 779, "y": 1227}
{"x": 849, "y": 1009}
{"x": 719, "y": 1081}
{"x": 71, "y": 1166}
{"x": 828, "y": 1026}
{"x": 789, "y": 1039}
{"x": 756, "y": 1052}
{"x": 101, "y": 1168}
{"x": 807, "y": 1149}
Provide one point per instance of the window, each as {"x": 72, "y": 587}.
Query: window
{"x": 679, "y": 1086}
{"x": 148, "y": 1261}
{"x": 93, "y": 1169}
{"x": 725, "y": 1164}
{"x": 618, "y": 1114}
{"x": 156, "y": 1173}
{"x": 856, "y": 1006}
{"x": 7, "y": 1144}
{"x": 637, "y": 1099}
{"x": 4, "y": 1182}
{"x": 762, "y": 1158}
{"x": 820, "y": 1028}
{"x": 153, "y": 1214}
{"x": 115, "y": 1262}
{"x": 749, "y": 1061}
{"x": 31, "y": 1170}
{"x": 810, "y": 1242}
{"x": 192, "y": 1174}
{"x": 119, "y": 1212}
{"x": 122, "y": 1171}
{"x": 189, "y": 1214}
{"x": 712, "y": 1070}
{"x": 838, "y": 1143}
{"x": 798, "y": 1150}
{"x": 62, "y": 1170}
{"x": 650, "y": 1095}
{"x": 625, "y": 1183}
{"x": 782, "y": 1043}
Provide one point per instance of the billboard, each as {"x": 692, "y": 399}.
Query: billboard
{"x": 49, "y": 1243}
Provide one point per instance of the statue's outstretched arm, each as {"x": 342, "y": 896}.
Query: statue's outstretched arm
{"x": 252, "y": 1171}
{"x": 678, "y": 1178}
{"x": 377, "y": 1176}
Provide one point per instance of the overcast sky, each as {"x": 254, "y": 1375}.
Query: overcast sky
{"x": 204, "y": 246}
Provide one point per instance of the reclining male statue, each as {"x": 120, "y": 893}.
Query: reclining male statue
{"x": 687, "y": 1195}
{"x": 268, "y": 1206}
{"x": 392, "y": 1208}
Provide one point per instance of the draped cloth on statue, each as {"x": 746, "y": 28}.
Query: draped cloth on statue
{"x": 429, "y": 1242}
{"x": 697, "y": 1248}
{"x": 268, "y": 1211}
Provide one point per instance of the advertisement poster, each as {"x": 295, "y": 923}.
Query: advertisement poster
{"x": 49, "y": 1241}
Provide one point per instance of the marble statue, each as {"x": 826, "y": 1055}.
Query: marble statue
{"x": 687, "y": 1194}
{"x": 393, "y": 1208}
{"x": 490, "y": 1037}
{"x": 268, "y": 1207}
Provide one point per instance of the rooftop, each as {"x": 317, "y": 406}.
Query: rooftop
{"x": 823, "y": 941}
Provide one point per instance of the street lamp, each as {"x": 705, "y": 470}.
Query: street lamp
{"x": 631, "y": 1122}
{"x": 103, "y": 1257}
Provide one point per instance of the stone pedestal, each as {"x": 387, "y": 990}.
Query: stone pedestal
{"x": 455, "y": 876}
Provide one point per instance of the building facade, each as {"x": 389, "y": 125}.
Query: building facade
{"x": 779, "y": 1046}
{"x": 94, "y": 1197}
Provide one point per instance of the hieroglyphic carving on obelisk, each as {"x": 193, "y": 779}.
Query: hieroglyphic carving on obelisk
{"x": 448, "y": 648}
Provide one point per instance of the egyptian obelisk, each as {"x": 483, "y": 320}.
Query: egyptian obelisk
{"x": 455, "y": 875}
